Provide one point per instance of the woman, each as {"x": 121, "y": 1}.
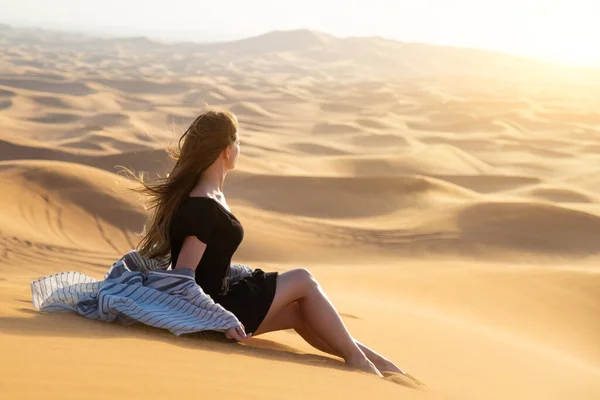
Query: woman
{"x": 193, "y": 223}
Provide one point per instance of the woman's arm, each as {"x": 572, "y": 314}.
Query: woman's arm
{"x": 191, "y": 253}
{"x": 189, "y": 257}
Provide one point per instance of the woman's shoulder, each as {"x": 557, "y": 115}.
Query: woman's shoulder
{"x": 204, "y": 207}
{"x": 195, "y": 205}
{"x": 195, "y": 217}
{"x": 192, "y": 209}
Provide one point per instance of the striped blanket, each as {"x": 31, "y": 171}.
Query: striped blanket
{"x": 137, "y": 289}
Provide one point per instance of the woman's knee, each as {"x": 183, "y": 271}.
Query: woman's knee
{"x": 295, "y": 284}
{"x": 305, "y": 278}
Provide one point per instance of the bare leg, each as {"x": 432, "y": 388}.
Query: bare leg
{"x": 291, "y": 317}
{"x": 378, "y": 360}
{"x": 299, "y": 285}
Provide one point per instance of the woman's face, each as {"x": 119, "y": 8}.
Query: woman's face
{"x": 234, "y": 152}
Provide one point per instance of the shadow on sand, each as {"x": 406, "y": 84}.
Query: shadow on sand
{"x": 71, "y": 325}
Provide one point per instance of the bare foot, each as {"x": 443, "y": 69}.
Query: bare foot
{"x": 365, "y": 365}
{"x": 387, "y": 366}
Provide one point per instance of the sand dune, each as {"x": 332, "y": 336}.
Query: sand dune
{"x": 531, "y": 227}
{"x": 40, "y": 85}
{"x": 342, "y": 196}
{"x": 340, "y": 107}
{"x": 334, "y": 128}
{"x": 4, "y": 104}
{"x": 152, "y": 161}
{"x": 431, "y": 160}
{"x": 311, "y": 148}
{"x": 275, "y": 42}
{"x": 451, "y": 213}
{"x": 69, "y": 204}
{"x": 559, "y": 194}
{"x": 589, "y": 180}
{"x": 484, "y": 183}
{"x": 51, "y": 102}
{"x": 245, "y": 109}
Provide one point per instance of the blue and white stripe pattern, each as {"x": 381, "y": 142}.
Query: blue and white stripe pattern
{"x": 163, "y": 297}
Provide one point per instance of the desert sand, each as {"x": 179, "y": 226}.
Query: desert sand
{"x": 448, "y": 201}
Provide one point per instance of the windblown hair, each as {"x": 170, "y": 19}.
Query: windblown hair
{"x": 199, "y": 147}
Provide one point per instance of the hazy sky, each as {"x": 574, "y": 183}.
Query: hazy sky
{"x": 558, "y": 30}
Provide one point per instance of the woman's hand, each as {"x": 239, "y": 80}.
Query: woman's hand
{"x": 237, "y": 333}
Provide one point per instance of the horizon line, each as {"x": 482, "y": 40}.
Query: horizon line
{"x": 105, "y": 33}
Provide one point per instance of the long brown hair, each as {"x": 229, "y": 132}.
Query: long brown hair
{"x": 199, "y": 146}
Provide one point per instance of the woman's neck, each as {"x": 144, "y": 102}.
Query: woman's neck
{"x": 212, "y": 181}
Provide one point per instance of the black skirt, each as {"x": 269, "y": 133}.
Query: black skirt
{"x": 250, "y": 298}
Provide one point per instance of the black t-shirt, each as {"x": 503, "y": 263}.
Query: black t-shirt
{"x": 210, "y": 222}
